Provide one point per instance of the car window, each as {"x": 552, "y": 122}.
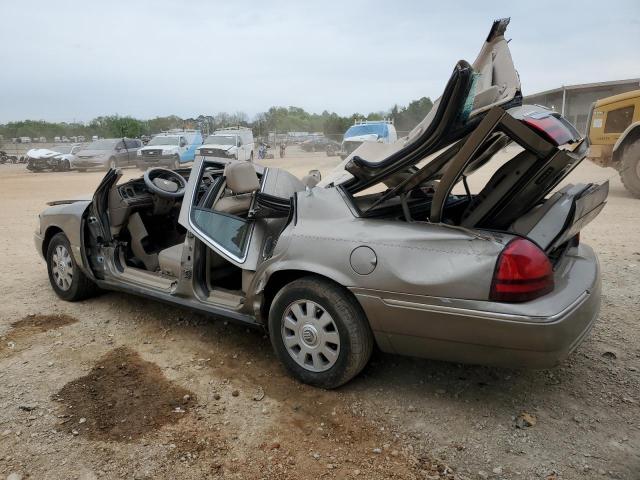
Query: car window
{"x": 119, "y": 145}
{"x": 618, "y": 120}
{"x": 228, "y": 231}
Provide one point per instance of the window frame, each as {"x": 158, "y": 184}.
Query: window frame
{"x": 203, "y": 236}
{"x": 617, "y": 110}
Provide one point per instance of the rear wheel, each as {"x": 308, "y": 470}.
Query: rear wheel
{"x": 319, "y": 332}
{"x": 66, "y": 278}
{"x": 630, "y": 168}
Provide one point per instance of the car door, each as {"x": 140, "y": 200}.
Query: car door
{"x": 234, "y": 238}
{"x": 121, "y": 153}
{"x": 241, "y": 149}
{"x": 132, "y": 150}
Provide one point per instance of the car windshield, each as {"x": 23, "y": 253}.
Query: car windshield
{"x": 379, "y": 129}
{"x": 106, "y": 144}
{"x": 163, "y": 140}
{"x": 62, "y": 148}
{"x": 220, "y": 140}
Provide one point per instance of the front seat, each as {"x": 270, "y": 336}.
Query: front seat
{"x": 243, "y": 182}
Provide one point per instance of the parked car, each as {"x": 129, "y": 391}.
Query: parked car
{"x": 107, "y": 153}
{"x": 319, "y": 144}
{"x": 495, "y": 275}
{"x": 58, "y": 158}
{"x": 169, "y": 149}
{"x": 229, "y": 144}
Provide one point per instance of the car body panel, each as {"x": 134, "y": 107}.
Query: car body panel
{"x": 424, "y": 284}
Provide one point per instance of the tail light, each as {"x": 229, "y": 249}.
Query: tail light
{"x": 523, "y": 272}
{"x": 553, "y": 128}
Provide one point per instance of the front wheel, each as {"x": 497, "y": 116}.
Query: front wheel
{"x": 630, "y": 169}
{"x": 320, "y": 333}
{"x": 66, "y": 278}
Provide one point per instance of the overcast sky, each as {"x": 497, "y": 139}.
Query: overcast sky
{"x": 74, "y": 60}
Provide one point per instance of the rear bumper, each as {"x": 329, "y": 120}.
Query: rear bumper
{"x": 478, "y": 332}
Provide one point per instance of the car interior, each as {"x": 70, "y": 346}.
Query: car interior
{"x": 146, "y": 223}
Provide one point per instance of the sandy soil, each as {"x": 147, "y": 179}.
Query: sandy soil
{"x": 122, "y": 387}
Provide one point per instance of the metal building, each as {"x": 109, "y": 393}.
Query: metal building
{"x": 574, "y": 101}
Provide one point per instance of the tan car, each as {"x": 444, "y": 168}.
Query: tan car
{"x": 381, "y": 253}
{"x": 614, "y": 136}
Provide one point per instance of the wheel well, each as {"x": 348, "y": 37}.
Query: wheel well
{"x": 631, "y": 137}
{"x": 48, "y": 235}
{"x": 283, "y": 277}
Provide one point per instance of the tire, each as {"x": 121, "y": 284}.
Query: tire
{"x": 66, "y": 166}
{"x": 346, "y": 324}
{"x": 66, "y": 278}
{"x": 630, "y": 169}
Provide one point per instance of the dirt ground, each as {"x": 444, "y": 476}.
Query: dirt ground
{"x": 123, "y": 387}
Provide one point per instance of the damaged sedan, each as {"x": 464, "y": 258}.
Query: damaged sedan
{"x": 394, "y": 250}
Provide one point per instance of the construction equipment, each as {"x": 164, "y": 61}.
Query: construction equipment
{"x": 614, "y": 136}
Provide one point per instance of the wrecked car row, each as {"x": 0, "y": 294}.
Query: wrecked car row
{"x": 392, "y": 250}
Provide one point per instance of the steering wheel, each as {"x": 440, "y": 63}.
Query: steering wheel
{"x": 165, "y": 183}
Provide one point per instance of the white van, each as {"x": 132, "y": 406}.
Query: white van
{"x": 229, "y": 144}
{"x": 380, "y": 131}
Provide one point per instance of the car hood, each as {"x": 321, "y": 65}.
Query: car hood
{"x": 216, "y": 146}
{"x": 369, "y": 137}
{"x": 93, "y": 153}
{"x": 159, "y": 147}
{"x": 38, "y": 153}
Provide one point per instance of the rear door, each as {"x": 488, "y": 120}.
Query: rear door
{"x": 232, "y": 237}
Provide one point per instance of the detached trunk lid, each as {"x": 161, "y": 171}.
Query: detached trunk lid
{"x": 563, "y": 215}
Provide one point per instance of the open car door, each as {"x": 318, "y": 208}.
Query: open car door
{"x": 228, "y": 234}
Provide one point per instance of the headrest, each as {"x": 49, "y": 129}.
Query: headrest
{"x": 241, "y": 177}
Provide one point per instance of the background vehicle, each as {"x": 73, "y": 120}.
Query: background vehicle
{"x": 57, "y": 158}
{"x": 614, "y": 137}
{"x": 381, "y": 131}
{"x": 170, "y": 149}
{"x": 107, "y": 153}
{"x": 318, "y": 144}
{"x": 235, "y": 143}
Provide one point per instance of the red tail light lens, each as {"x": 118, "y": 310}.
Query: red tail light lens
{"x": 523, "y": 272}
{"x": 555, "y": 129}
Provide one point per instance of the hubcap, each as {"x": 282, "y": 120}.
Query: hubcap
{"x": 62, "y": 268}
{"x": 310, "y": 335}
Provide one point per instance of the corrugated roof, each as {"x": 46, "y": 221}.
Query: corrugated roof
{"x": 585, "y": 86}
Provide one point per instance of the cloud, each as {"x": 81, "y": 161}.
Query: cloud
{"x": 76, "y": 60}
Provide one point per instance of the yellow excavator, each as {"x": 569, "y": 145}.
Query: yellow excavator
{"x": 614, "y": 137}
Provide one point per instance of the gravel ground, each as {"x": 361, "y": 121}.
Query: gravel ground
{"x": 122, "y": 387}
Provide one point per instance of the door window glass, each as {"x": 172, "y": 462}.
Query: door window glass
{"x": 228, "y": 231}
{"x": 618, "y": 120}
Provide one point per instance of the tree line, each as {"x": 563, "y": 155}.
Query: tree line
{"x": 280, "y": 119}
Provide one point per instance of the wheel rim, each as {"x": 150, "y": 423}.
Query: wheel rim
{"x": 62, "y": 268}
{"x": 310, "y": 335}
